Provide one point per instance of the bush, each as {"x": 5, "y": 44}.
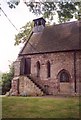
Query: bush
{"x": 6, "y": 80}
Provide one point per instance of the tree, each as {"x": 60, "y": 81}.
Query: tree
{"x": 22, "y": 36}
{"x": 64, "y": 10}
{"x": 0, "y": 82}
{"x": 13, "y": 3}
{"x": 0, "y": 76}
{"x": 24, "y": 33}
{"x": 6, "y": 80}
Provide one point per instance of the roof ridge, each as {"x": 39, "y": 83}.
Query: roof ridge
{"x": 70, "y": 22}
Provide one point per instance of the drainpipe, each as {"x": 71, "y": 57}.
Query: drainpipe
{"x": 75, "y": 71}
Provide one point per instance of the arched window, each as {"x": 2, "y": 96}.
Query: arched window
{"x": 64, "y": 76}
{"x": 22, "y": 66}
{"x": 48, "y": 69}
{"x": 38, "y": 69}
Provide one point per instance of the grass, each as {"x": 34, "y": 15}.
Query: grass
{"x": 40, "y": 107}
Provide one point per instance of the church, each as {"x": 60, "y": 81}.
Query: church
{"x": 50, "y": 60}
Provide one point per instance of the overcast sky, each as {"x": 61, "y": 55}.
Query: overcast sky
{"x": 19, "y": 17}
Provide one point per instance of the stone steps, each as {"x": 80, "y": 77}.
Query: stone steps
{"x": 29, "y": 88}
{"x": 37, "y": 83}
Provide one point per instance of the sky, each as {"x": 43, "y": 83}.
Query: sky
{"x": 19, "y": 17}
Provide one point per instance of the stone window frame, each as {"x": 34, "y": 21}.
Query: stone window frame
{"x": 48, "y": 69}
{"x": 38, "y": 65}
{"x": 64, "y": 74}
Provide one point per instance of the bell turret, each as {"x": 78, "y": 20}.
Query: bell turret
{"x": 39, "y": 25}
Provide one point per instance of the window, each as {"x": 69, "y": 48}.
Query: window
{"x": 38, "y": 68}
{"x": 48, "y": 69}
{"x": 64, "y": 76}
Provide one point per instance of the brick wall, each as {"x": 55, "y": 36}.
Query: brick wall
{"x": 58, "y": 61}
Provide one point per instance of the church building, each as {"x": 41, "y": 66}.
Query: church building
{"x": 50, "y": 61}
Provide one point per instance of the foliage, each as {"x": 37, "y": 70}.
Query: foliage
{"x": 41, "y": 107}
{"x": 24, "y": 33}
{"x": 0, "y": 82}
{"x": 22, "y": 36}
{"x": 13, "y": 3}
{"x": 6, "y": 80}
{"x": 65, "y": 11}
{"x": 0, "y": 77}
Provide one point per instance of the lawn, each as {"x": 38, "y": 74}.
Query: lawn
{"x": 40, "y": 107}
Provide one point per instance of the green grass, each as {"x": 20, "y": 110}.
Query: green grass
{"x": 40, "y": 107}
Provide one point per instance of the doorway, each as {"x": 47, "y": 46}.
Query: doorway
{"x": 25, "y": 66}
